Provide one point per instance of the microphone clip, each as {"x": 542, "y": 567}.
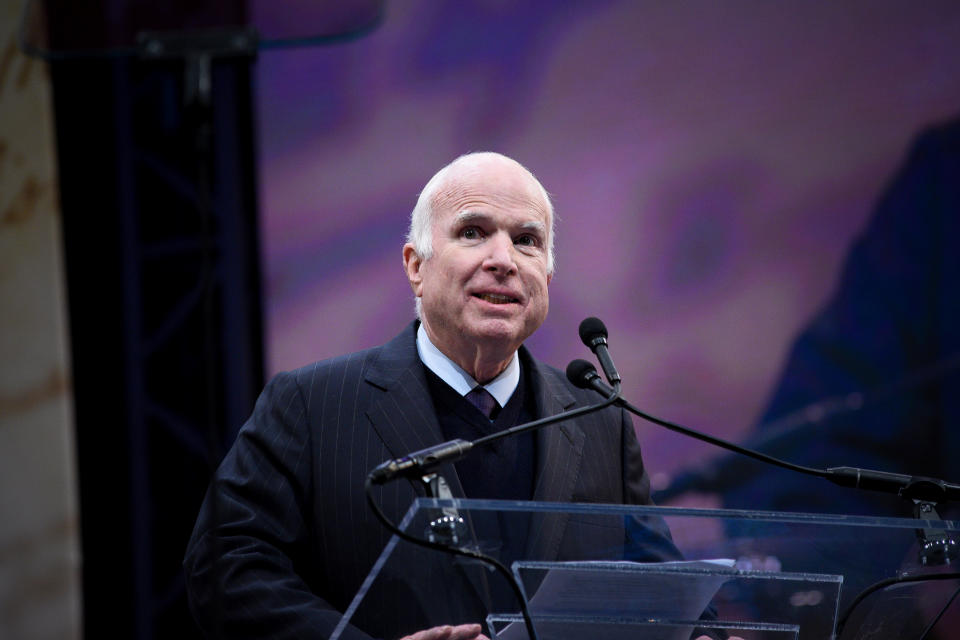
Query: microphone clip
{"x": 448, "y": 527}
{"x": 936, "y": 546}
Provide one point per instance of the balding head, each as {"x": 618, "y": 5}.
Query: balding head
{"x": 444, "y": 182}
{"x": 479, "y": 259}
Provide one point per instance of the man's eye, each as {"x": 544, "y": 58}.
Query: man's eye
{"x": 471, "y": 233}
{"x": 526, "y": 240}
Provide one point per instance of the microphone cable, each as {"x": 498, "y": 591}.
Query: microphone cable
{"x": 584, "y": 375}
{"x": 457, "y": 551}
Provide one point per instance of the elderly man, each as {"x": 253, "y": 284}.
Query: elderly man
{"x": 286, "y": 512}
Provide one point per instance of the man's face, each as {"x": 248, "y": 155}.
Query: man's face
{"x": 485, "y": 287}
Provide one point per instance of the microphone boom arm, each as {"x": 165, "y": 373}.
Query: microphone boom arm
{"x": 931, "y": 490}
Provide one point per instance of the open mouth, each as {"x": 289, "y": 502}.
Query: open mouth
{"x": 495, "y": 298}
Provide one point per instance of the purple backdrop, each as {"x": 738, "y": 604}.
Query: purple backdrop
{"x": 710, "y": 163}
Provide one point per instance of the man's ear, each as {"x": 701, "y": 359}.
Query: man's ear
{"x": 412, "y": 263}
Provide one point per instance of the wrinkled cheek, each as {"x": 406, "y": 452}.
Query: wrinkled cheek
{"x": 539, "y": 313}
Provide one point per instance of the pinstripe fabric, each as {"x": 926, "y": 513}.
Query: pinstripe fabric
{"x": 293, "y": 529}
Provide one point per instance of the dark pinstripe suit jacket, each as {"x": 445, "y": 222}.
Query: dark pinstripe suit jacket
{"x": 287, "y": 512}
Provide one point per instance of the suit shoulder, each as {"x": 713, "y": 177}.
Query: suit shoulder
{"x": 350, "y": 365}
{"x": 377, "y": 362}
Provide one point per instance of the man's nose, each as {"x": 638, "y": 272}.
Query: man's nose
{"x": 500, "y": 254}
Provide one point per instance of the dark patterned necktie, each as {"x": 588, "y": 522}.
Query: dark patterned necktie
{"x": 483, "y": 401}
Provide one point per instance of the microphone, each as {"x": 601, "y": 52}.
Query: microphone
{"x": 594, "y": 335}
{"x": 584, "y": 375}
{"x": 421, "y": 461}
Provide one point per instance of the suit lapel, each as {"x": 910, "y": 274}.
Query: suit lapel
{"x": 402, "y": 412}
{"x": 559, "y": 455}
{"x": 405, "y": 419}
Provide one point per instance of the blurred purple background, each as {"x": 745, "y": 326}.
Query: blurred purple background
{"x": 710, "y": 163}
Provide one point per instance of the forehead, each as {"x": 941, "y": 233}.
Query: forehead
{"x": 490, "y": 187}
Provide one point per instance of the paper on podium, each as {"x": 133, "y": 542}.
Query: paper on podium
{"x": 671, "y": 592}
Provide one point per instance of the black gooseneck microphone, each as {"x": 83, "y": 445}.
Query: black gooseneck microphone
{"x": 594, "y": 334}
{"x": 584, "y": 375}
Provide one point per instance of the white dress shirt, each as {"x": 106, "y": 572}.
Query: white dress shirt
{"x": 501, "y": 387}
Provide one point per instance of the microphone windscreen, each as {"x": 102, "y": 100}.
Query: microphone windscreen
{"x": 578, "y": 372}
{"x": 592, "y": 328}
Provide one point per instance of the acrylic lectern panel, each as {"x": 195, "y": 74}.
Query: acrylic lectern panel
{"x": 609, "y": 571}
{"x": 565, "y": 627}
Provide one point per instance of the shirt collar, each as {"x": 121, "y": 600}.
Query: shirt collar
{"x": 501, "y": 387}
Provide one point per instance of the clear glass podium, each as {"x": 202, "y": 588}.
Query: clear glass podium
{"x": 610, "y": 571}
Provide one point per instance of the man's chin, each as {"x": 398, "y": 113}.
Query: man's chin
{"x": 507, "y": 333}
